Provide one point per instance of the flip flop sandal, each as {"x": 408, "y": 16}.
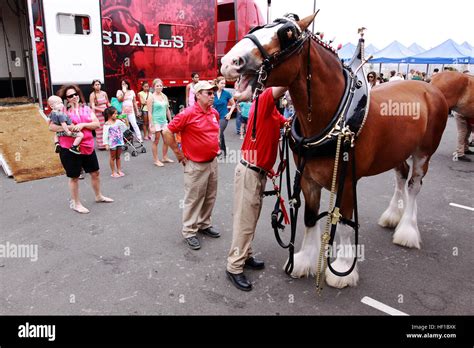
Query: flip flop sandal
{"x": 80, "y": 210}
{"x": 104, "y": 200}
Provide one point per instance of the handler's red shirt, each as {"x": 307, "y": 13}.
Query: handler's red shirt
{"x": 199, "y": 132}
{"x": 263, "y": 151}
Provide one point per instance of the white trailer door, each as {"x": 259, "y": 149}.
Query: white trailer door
{"x": 73, "y": 33}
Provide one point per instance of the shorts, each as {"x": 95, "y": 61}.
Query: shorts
{"x": 118, "y": 147}
{"x": 73, "y": 163}
{"x": 157, "y": 127}
{"x": 244, "y": 120}
{"x": 64, "y": 134}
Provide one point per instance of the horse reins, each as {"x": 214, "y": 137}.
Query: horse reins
{"x": 279, "y": 212}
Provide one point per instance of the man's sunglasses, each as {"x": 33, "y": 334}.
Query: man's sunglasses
{"x": 71, "y": 96}
{"x": 209, "y": 92}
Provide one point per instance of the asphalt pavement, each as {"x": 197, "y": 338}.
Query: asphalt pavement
{"x": 129, "y": 258}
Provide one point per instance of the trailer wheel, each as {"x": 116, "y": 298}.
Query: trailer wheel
{"x": 134, "y": 153}
{"x": 143, "y": 150}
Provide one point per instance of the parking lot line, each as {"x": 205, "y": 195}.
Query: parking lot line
{"x": 461, "y": 206}
{"x": 380, "y": 306}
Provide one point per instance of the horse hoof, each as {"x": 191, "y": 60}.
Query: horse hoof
{"x": 407, "y": 236}
{"x": 341, "y": 282}
{"x": 390, "y": 219}
{"x": 301, "y": 266}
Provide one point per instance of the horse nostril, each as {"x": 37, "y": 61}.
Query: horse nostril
{"x": 239, "y": 61}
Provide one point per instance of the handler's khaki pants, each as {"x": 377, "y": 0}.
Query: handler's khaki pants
{"x": 200, "y": 191}
{"x": 464, "y": 131}
{"x": 248, "y": 191}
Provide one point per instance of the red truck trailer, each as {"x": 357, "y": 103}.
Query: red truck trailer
{"x": 48, "y": 43}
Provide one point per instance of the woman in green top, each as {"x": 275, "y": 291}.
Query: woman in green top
{"x": 159, "y": 116}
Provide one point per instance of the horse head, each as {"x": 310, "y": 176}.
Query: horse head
{"x": 265, "y": 47}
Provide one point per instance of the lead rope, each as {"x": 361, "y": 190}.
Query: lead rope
{"x": 333, "y": 216}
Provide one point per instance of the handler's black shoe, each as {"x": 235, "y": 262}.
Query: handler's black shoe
{"x": 239, "y": 280}
{"x": 193, "y": 243}
{"x": 469, "y": 152}
{"x": 210, "y": 232}
{"x": 254, "y": 264}
{"x": 464, "y": 159}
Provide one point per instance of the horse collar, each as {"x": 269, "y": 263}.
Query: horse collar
{"x": 349, "y": 117}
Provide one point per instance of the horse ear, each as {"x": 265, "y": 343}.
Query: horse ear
{"x": 305, "y": 22}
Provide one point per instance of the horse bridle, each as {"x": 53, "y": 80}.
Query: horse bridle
{"x": 297, "y": 38}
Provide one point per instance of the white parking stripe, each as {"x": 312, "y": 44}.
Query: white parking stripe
{"x": 461, "y": 206}
{"x": 380, "y": 306}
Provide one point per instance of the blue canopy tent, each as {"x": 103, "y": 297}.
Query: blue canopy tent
{"x": 370, "y": 49}
{"x": 449, "y": 52}
{"x": 415, "y": 48}
{"x": 393, "y": 53}
{"x": 467, "y": 45}
{"x": 347, "y": 51}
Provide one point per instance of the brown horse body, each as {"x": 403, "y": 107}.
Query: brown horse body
{"x": 458, "y": 89}
{"x": 390, "y": 136}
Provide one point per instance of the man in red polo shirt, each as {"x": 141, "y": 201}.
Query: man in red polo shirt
{"x": 258, "y": 158}
{"x": 199, "y": 128}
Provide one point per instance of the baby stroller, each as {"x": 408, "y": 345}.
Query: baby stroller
{"x": 130, "y": 139}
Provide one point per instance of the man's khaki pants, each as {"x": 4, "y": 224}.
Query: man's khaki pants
{"x": 464, "y": 131}
{"x": 248, "y": 194}
{"x": 200, "y": 191}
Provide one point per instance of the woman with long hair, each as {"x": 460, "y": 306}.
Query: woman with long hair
{"x": 143, "y": 97}
{"x": 372, "y": 79}
{"x": 129, "y": 106}
{"x": 83, "y": 120}
{"x": 159, "y": 108}
{"x": 99, "y": 101}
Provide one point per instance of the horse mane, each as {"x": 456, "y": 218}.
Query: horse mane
{"x": 316, "y": 37}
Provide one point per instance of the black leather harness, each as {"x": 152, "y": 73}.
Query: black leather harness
{"x": 348, "y": 120}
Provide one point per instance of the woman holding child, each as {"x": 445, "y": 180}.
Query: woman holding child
{"x": 83, "y": 120}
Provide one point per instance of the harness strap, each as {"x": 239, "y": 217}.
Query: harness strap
{"x": 354, "y": 225}
{"x": 254, "y": 128}
{"x": 308, "y": 83}
{"x": 257, "y": 43}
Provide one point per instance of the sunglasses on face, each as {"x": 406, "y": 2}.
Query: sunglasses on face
{"x": 208, "y": 93}
{"x": 371, "y": 77}
{"x": 71, "y": 96}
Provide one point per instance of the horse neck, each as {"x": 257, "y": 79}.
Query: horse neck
{"x": 327, "y": 87}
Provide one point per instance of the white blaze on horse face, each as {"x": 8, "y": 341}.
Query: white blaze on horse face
{"x": 241, "y": 55}
{"x": 244, "y": 59}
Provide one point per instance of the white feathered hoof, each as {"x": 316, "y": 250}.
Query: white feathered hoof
{"x": 341, "y": 282}
{"x": 390, "y": 218}
{"x": 408, "y": 236}
{"x": 302, "y": 265}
